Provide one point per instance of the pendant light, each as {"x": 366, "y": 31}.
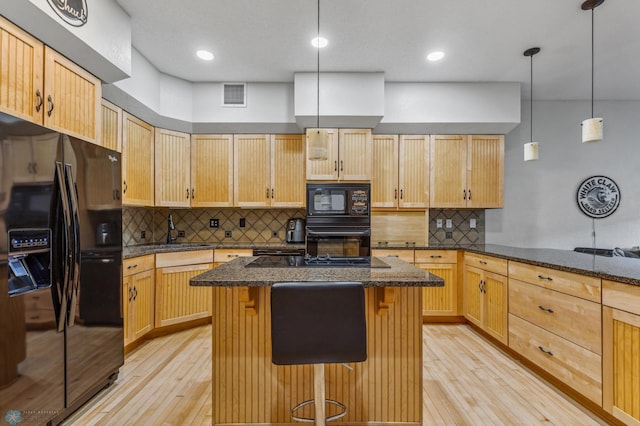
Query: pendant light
{"x": 531, "y": 148}
{"x": 592, "y": 127}
{"x": 319, "y": 141}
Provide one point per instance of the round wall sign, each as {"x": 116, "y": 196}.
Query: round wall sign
{"x": 598, "y": 197}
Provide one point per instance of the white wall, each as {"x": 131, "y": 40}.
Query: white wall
{"x": 540, "y": 207}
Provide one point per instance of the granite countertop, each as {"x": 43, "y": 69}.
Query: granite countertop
{"x": 141, "y": 250}
{"x": 400, "y": 274}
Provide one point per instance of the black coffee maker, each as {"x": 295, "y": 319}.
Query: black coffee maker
{"x": 295, "y": 230}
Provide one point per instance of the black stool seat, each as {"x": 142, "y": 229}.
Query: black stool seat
{"x": 318, "y": 323}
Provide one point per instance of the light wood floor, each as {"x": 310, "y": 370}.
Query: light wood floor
{"x": 467, "y": 381}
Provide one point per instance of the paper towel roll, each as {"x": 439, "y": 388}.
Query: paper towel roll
{"x": 592, "y": 130}
{"x": 531, "y": 151}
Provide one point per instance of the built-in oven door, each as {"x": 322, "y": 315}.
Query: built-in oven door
{"x": 336, "y": 241}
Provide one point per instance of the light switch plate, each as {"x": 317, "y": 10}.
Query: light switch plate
{"x": 449, "y": 223}
{"x": 472, "y": 223}
{"x": 438, "y": 223}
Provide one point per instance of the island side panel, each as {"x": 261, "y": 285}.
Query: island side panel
{"x": 248, "y": 388}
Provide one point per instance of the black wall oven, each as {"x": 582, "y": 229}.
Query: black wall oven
{"x": 338, "y": 219}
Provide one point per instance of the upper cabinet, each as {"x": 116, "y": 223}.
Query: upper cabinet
{"x": 137, "y": 162}
{"x": 400, "y": 172}
{"x": 211, "y": 170}
{"x": 268, "y": 170}
{"x": 467, "y": 171}
{"x": 111, "y": 136}
{"x": 42, "y": 86}
{"x": 172, "y": 169}
{"x": 347, "y": 155}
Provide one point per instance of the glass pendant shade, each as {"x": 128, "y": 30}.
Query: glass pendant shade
{"x": 318, "y": 144}
{"x": 531, "y": 151}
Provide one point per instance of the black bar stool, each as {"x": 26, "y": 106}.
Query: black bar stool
{"x": 318, "y": 323}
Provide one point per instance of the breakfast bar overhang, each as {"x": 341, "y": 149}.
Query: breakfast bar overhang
{"x": 248, "y": 388}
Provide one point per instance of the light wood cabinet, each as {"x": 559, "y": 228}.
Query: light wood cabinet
{"x": 138, "y": 297}
{"x": 486, "y": 295}
{"x": 440, "y": 301}
{"x": 111, "y": 136}
{"x": 221, "y": 256}
{"x": 400, "y": 177}
{"x": 268, "y": 171}
{"x": 347, "y": 156}
{"x": 467, "y": 171}
{"x": 211, "y": 170}
{"x": 621, "y": 351}
{"x": 22, "y": 82}
{"x": 137, "y": 162}
{"x": 555, "y": 321}
{"x": 172, "y": 169}
{"x": 405, "y": 254}
{"x": 176, "y": 300}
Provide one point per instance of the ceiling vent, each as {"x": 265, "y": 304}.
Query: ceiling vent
{"x": 234, "y": 94}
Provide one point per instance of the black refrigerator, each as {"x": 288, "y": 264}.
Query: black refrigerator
{"x": 61, "y": 322}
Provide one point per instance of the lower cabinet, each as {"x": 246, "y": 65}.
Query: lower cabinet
{"x": 221, "y": 256}
{"x": 137, "y": 297}
{"x": 485, "y": 294}
{"x": 439, "y": 301}
{"x": 621, "y": 351}
{"x": 176, "y": 300}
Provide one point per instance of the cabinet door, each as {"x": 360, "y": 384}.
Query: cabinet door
{"x": 287, "y": 171}
{"x": 142, "y": 298}
{"x": 384, "y": 177}
{"x": 322, "y": 162}
{"x": 211, "y": 170}
{"x": 172, "y": 169}
{"x": 176, "y": 300}
{"x": 72, "y": 98}
{"x": 441, "y": 301}
{"x": 495, "y": 310}
{"x": 138, "y": 160}
{"x": 111, "y": 135}
{"x": 485, "y": 171}
{"x": 251, "y": 174}
{"x": 21, "y": 63}
{"x": 127, "y": 306}
{"x": 448, "y": 174}
{"x": 355, "y": 154}
{"x": 473, "y": 295}
{"x": 413, "y": 176}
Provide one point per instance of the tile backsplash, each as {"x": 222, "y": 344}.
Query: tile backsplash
{"x": 262, "y": 226}
{"x": 460, "y": 231}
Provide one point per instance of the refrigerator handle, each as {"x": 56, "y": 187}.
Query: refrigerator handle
{"x": 74, "y": 282}
{"x": 66, "y": 216}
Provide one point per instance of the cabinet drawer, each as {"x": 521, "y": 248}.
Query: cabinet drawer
{"x": 566, "y": 282}
{"x": 487, "y": 263}
{"x": 566, "y": 361}
{"x": 574, "y": 319}
{"x": 625, "y": 297}
{"x": 436, "y": 256}
{"x": 137, "y": 264}
{"x": 406, "y": 255}
{"x": 225, "y": 255}
{"x": 195, "y": 257}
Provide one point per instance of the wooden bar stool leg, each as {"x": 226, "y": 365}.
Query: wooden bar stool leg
{"x": 318, "y": 383}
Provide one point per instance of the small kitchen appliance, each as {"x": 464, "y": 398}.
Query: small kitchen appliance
{"x": 295, "y": 230}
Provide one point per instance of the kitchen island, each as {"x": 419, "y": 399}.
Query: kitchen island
{"x": 248, "y": 388}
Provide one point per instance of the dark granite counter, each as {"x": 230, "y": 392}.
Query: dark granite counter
{"x": 234, "y": 273}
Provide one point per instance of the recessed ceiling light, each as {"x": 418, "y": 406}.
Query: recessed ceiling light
{"x": 205, "y": 55}
{"x": 319, "y": 42}
{"x": 435, "y": 56}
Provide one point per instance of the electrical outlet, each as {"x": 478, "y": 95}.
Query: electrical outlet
{"x": 243, "y": 222}
{"x": 214, "y": 223}
{"x": 143, "y": 234}
{"x": 227, "y": 234}
{"x": 472, "y": 223}
{"x": 449, "y": 223}
{"x": 274, "y": 234}
{"x": 448, "y": 234}
{"x": 438, "y": 223}
{"x": 181, "y": 234}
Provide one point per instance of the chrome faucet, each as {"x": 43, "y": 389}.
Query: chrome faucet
{"x": 170, "y": 239}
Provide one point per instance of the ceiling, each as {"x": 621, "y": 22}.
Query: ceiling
{"x": 269, "y": 40}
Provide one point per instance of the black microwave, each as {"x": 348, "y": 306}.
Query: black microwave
{"x": 338, "y": 199}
